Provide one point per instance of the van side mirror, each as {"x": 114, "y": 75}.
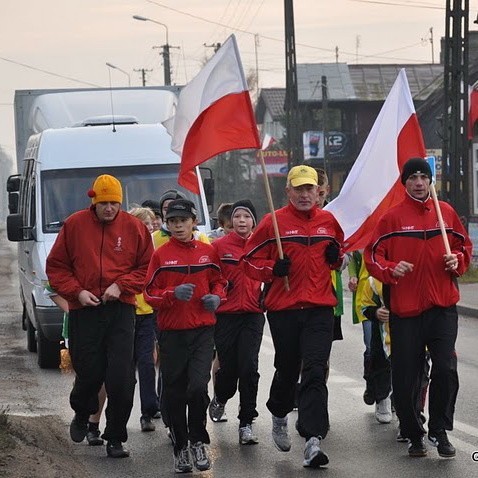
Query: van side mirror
{"x": 13, "y": 183}
{"x": 16, "y": 229}
{"x": 13, "y": 198}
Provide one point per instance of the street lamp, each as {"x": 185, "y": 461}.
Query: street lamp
{"x": 109, "y": 65}
{"x": 166, "y": 62}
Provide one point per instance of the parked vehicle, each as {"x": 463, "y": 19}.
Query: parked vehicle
{"x": 58, "y": 167}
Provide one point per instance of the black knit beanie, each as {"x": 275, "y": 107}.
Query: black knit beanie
{"x": 248, "y": 206}
{"x": 413, "y": 166}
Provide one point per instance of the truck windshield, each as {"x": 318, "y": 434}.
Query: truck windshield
{"x": 64, "y": 191}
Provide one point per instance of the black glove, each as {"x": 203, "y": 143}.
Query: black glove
{"x": 281, "y": 267}
{"x": 332, "y": 253}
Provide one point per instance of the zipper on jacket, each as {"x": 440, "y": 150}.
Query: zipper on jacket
{"x": 101, "y": 259}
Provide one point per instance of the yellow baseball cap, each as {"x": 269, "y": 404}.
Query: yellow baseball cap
{"x": 300, "y": 175}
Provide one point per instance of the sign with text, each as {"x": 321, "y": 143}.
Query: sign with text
{"x": 314, "y": 144}
{"x": 276, "y": 162}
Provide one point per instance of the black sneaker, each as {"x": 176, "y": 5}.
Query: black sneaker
{"x": 78, "y": 429}
{"x": 368, "y": 397}
{"x": 417, "y": 448}
{"x": 200, "y": 456}
{"x": 443, "y": 445}
{"x": 115, "y": 449}
{"x": 93, "y": 438}
{"x": 147, "y": 424}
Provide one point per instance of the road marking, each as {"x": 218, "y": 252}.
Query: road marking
{"x": 340, "y": 379}
{"x": 468, "y": 429}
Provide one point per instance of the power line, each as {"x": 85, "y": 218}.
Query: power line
{"x": 408, "y": 4}
{"x": 58, "y": 75}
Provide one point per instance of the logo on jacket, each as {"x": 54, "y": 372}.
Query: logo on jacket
{"x": 408, "y": 228}
{"x": 204, "y": 259}
{"x": 291, "y": 233}
{"x": 228, "y": 256}
{"x": 322, "y": 230}
{"x": 170, "y": 263}
{"x": 118, "y": 247}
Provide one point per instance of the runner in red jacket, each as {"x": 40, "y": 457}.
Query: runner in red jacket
{"x": 98, "y": 263}
{"x": 407, "y": 254}
{"x": 184, "y": 283}
{"x": 240, "y": 323}
{"x": 301, "y": 320}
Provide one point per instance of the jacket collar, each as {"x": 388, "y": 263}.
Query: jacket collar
{"x": 418, "y": 204}
{"x": 186, "y": 245}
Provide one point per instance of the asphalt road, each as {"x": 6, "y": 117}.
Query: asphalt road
{"x": 357, "y": 445}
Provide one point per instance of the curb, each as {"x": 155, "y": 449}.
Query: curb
{"x": 468, "y": 310}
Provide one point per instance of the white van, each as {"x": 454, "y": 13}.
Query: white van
{"x": 60, "y": 166}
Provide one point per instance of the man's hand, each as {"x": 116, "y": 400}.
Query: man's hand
{"x": 281, "y": 267}
{"x": 211, "y": 302}
{"x": 382, "y": 314}
{"x": 332, "y": 253}
{"x": 402, "y": 268}
{"x": 451, "y": 262}
{"x": 353, "y": 283}
{"x": 86, "y": 298}
{"x": 111, "y": 293}
{"x": 184, "y": 292}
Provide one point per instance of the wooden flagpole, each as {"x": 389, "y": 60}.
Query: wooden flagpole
{"x": 440, "y": 218}
{"x": 273, "y": 214}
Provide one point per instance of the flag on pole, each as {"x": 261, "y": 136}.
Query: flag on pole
{"x": 213, "y": 115}
{"x": 472, "y": 110}
{"x": 373, "y": 184}
{"x": 267, "y": 142}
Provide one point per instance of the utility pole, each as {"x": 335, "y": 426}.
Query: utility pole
{"x": 216, "y": 46}
{"x": 295, "y": 149}
{"x": 143, "y": 74}
{"x": 431, "y": 43}
{"x": 325, "y": 124}
{"x": 455, "y": 154}
{"x": 165, "y": 53}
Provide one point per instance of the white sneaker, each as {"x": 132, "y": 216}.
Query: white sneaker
{"x": 383, "y": 410}
{"x": 246, "y": 436}
{"x": 280, "y": 433}
{"x": 314, "y": 457}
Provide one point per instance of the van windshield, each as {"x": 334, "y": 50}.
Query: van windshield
{"x": 65, "y": 191}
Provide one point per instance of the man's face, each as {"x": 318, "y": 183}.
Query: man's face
{"x": 107, "y": 211}
{"x": 242, "y": 222}
{"x": 181, "y": 228}
{"x": 304, "y": 197}
{"x": 322, "y": 193}
{"x": 418, "y": 186}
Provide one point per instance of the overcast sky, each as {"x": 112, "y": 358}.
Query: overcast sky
{"x": 74, "y": 39}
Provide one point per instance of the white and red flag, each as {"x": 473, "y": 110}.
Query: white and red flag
{"x": 213, "y": 115}
{"x": 472, "y": 111}
{"x": 373, "y": 184}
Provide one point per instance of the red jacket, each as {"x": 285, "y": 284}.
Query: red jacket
{"x": 177, "y": 263}
{"x": 92, "y": 255}
{"x": 304, "y": 236}
{"x": 410, "y": 232}
{"x": 245, "y": 293}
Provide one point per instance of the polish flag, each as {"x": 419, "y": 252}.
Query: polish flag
{"x": 267, "y": 142}
{"x": 472, "y": 111}
{"x": 213, "y": 115}
{"x": 373, "y": 185}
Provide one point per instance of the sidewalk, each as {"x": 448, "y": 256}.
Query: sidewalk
{"x": 468, "y": 304}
